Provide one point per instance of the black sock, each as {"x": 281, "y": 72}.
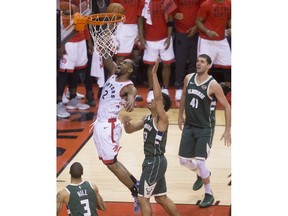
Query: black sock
{"x": 134, "y": 191}
{"x": 134, "y": 180}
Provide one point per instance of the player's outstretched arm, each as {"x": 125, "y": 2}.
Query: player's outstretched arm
{"x": 217, "y": 90}
{"x": 131, "y": 92}
{"x": 163, "y": 117}
{"x": 110, "y": 65}
{"x": 130, "y": 126}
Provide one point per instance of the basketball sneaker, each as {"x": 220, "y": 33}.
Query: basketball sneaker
{"x": 207, "y": 201}
{"x": 65, "y": 100}
{"x": 150, "y": 96}
{"x": 136, "y": 206}
{"x": 178, "y": 94}
{"x": 78, "y": 95}
{"x": 61, "y": 111}
{"x": 165, "y": 90}
{"x": 138, "y": 98}
{"x": 76, "y": 104}
{"x": 90, "y": 99}
{"x": 197, "y": 184}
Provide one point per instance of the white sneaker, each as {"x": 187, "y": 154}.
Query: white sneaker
{"x": 76, "y": 104}
{"x": 165, "y": 90}
{"x": 61, "y": 111}
{"x": 150, "y": 96}
{"x": 178, "y": 94}
{"x": 78, "y": 95}
{"x": 64, "y": 99}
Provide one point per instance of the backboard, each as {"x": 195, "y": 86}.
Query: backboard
{"x": 65, "y": 11}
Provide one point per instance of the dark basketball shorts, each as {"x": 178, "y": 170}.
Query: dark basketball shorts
{"x": 152, "y": 181}
{"x": 196, "y": 142}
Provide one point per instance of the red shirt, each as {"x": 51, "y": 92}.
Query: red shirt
{"x": 130, "y": 7}
{"x": 158, "y": 30}
{"x": 189, "y": 8}
{"x": 215, "y": 15}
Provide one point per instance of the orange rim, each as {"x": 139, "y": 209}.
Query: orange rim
{"x": 117, "y": 17}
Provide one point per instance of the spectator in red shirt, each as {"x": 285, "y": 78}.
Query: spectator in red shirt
{"x": 72, "y": 59}
{"x": 214, "y": 17}
{"x": 186, "y": 40}
{"x": 155, "y": 36}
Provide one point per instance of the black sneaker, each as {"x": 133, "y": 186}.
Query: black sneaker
{"x": 207, "y": 201}
{"x": 90, "y": 99}
{"x": 197, "y": 184}
{"x": 138, "y": 98}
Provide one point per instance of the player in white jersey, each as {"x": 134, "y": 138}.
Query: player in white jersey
{"x": 118, "y": 92}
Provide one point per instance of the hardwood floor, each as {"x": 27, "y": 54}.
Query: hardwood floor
{"x": 179, "y": 179}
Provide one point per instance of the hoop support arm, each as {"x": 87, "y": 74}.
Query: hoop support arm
{"x": 80, "y": 22}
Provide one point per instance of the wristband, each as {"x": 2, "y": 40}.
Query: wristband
{"x": 170, "y": 24}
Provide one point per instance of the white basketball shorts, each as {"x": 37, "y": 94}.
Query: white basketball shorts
{"x": 126, "y": 36}
{"x": 75, "y": 57}
{"x": 219, "y": 51}
{"x": 154, "y": 49}
{"x": 106, "y": 135}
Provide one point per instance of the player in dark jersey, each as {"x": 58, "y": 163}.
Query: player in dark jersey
{"x": 81, "y": 197}
{"x": 198, "y": 100}
{"x": 155, "y": 128}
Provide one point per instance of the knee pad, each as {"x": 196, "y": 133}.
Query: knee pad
{"x": 203, "y": 170}
{"x": 189, "y": 163}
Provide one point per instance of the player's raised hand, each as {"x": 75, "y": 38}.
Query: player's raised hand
{"x": 155, "y": 67}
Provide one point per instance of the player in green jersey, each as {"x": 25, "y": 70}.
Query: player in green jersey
{"x": 81, "y": 197}
{"x": 198, "y": 100}
{"x": 155, "y": 128}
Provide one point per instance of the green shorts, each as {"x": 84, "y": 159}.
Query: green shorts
{"x": 152, "y": 181}
{"x": 196, "y": 142}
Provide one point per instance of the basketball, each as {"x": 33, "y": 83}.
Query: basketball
{"x": 115, "y": 8}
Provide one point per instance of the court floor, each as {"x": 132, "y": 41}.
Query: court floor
{"x": 74, "y": 143}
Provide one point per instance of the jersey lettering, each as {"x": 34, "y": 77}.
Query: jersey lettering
{"x": 194, "y": 103}
{"x": 103, "y": 96}
{"x": 144, "y": 136}
{"x": 82, "y": 193}
{"x": 196, "y": 92}
{"x": 85, "y": 203}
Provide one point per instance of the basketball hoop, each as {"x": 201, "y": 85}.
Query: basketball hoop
{"x": 103, "y": 28}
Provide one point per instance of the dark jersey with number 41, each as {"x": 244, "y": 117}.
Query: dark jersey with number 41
{"x": 199, "y": 107}
{"x": 82, "y": 199}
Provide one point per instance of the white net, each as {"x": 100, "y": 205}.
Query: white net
{"x": 103, "y": 32}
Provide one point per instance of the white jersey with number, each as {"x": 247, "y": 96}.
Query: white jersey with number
{"x": 107, "y": 127}
{"x": 111, "y": 102}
